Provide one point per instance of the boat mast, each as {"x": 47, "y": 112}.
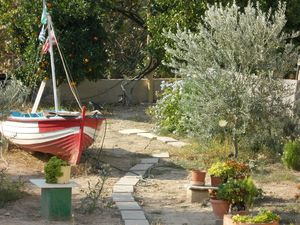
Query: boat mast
{"x": 51, "y": 38}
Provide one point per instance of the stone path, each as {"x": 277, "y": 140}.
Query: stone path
{"x": 131, "y": 212}
{"x": 168, "y": 140}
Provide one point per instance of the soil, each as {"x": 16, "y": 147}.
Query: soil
{"x": 162, "y": 194}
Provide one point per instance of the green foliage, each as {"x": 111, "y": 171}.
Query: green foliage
{"x": 291, "y": 155}
{"x": 230, "y": 67}
{"x": 264, "y": 216}
{"x": 93, "y": 193}
{"x": 53, "y": 169}
{"x": 166, "y": 112}
{"x": 12, "y": 95}
{"x": 10, "y": 190}
{"x": 221, "y": 169}
{"x": 238, "y": 191}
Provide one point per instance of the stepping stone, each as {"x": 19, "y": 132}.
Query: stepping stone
{"x": 133, "y": 215}
{"x": 136, "y": 222}
{"x": 132, "y": 175}
{"x": 137, "y": 173}
{"x": 166, "y": 139}
{"x": 177, "y": 144}
{"x": 128, "y": 181}
{"x": 132, "y": 131}
{"x": 128, "y": 206}
{"x": 148, "y": 135}
{"x": 150, "y": 160}
{"x": 161, "y": 155}
{"x": 141, "y": 166}
{"x": 123, "y": 188}
{"x": 122, "y": 197}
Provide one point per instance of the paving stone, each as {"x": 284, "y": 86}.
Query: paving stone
{"x": 137, "y": 172}
{"x": 128, "y": 181}
{"x": 133, "y": 175}
{"x": 166, "y": 139}
{"x": 123, "y": 188}
{"x": 141, "y": 166}
{"x": 148, "y": 135}
{"x": 177, "y": 144}
{"x": 136, "y": 222}
{"x": 122, "y": 197}
{"x": 133, "y": 215}
{"x": 161, "y": 155}
{"x": 132, "y": 131}
{"x": 128, "y": 206}
{"x": 149, "y": 160}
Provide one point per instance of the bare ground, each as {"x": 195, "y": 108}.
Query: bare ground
{"x": 162, "y": 195}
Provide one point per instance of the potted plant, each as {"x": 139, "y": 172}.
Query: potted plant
{"x": 240, "y": 194}
{"x": 219, "y": 172}
{"x": 264, "y": 217}
{"x": 240, "y": 170}
{"x": 198, "y": 177}
{"x": 220, "y": 204}
{"x": 57, "y": 171}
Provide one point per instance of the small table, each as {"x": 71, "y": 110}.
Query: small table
{"x": 55, "y": 199}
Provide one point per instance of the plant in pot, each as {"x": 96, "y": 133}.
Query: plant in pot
{"x": 57, "y": 171}
{"x": 240, "y": 193}
{"x": 265, "y": 217}
{"x": 240, "y": 170}
{"x": 219, "y": 173}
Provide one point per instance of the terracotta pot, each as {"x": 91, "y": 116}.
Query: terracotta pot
{"x": 66, "y": 174}
{"x": 216, "y": 181}
{"x": 198, "y": 177}
{"x": 220, "y": 207}
{"x": 228, "y": 221}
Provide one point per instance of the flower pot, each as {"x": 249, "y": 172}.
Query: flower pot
{"x": 65, "y": 177}
{"x": 228, "y": 221}
{"x": 198, "y": 177}
{"x": 216, "y": 181}
{"x": 220, "y": 207}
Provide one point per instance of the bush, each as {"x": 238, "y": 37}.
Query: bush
{"x": 291, "y": 155}
{"x": 230, "y": 68}
{"x": 263, "y": 217}
{"x": 9, "y": 190}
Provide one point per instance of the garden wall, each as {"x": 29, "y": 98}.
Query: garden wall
{"x": 110, "y": 91}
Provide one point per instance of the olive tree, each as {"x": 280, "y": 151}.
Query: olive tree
{"x": 232, "y": 68}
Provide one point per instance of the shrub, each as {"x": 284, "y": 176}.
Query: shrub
{"x": 291, "y": 155}
{"x": 230, "y": 68}
{"x": 166, "y": 113}
{"x": 9, "y": 190}
{"x": 221, "y": 169}
{"x": 52, "y": 169}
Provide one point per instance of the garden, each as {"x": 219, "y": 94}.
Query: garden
{"x": 228, "y": 101}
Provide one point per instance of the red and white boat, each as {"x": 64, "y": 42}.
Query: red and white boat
{"x": 64, "y": 134}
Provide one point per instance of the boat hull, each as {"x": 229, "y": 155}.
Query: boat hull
{"x": 66, "y": 138}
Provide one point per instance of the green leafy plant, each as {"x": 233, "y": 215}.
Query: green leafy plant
{"x": 291, "y": 155}
{"x": 53, "y": 169}
{"x": 221, "y": 169}
{"x": 264, "y": 216}
{"x": 240, "y": 193}
{"x": 10, "y": 190}
{"x": 241, "y": 170}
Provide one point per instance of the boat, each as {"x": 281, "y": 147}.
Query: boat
{"x": 61, "y": 133}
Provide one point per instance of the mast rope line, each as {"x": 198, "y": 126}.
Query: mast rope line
{"x": 73, "y": 90}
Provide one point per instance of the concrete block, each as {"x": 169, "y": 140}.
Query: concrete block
{"x": 132, "y": 131}
{"x": 196, "y": 195}
{"x": 166, "y": 139}
{"x": 161, "y": 155}
{"x": 128, "y": 181}
{"x": 136, "y": 222}
{"x": 150, "y": 160}
{"x": 141, "y": 166}
{"x": 148, "y": 135}
{"x": 123, "y": 189}
{"x": 128, "y": 206}
{"x": 134, "y": 174}
{"x": 133, "y": 215}
{"x": 177, "y": 144}
{"x": 122, "y": 197}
